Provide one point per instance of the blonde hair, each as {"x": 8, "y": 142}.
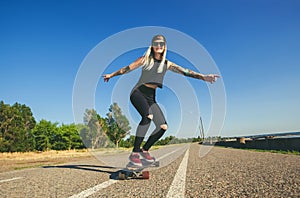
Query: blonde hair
{"x": 148, "y": 59}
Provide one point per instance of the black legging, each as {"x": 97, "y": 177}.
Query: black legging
{"x": 143, "y": 99}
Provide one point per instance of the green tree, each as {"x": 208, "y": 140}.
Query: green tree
{"x": 84, "y": 134}
{"x": 166, "y": 140}
{"x": 5, "y": 119}
{"x": 93, "y": 134}
{"x": 128, "y": 142}
{"x": 70, "y": 136}
{"x": 45, "y": 133}
{"x": 16, "y": 124}
{"x": 118, "y": 124}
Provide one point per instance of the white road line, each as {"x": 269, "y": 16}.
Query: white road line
{"x": 103, "y": 185}
{"x": 7, "y": 180}
{"x": 94, "y": 189}
{"x": 177, "y": 188}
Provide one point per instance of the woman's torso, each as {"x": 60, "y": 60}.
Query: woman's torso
{"x": 151, "y": 77}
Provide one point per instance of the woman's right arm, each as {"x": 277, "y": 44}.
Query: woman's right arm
{"x": 137, "y": 63}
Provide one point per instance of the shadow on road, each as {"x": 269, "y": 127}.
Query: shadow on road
{"x": 96, "y": 168}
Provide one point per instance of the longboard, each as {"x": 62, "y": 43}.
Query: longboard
{"x": 136, "y": 172}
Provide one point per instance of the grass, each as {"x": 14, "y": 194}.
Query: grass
{"x": 19, "y": 156}
{"x": 270, "y": 151}
{"x": 277, "y": 151}
{"x": 23, "y": 160}
{"x": 19, "y": 160}
{"x": 42, "y": 155}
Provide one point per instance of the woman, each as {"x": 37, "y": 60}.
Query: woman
{"x": 155, "y": 65}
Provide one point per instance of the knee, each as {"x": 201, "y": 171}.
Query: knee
{"x": 164, "y": 127}
{"x": 146, "y": 120}
{"x": 150, "y": 116}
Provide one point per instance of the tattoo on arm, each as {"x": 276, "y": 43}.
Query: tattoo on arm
{"x": 185, "y": 72}
{"x": 121, "y": 71}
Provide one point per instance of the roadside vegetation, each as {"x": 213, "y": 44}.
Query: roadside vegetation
{"x": 20, "y": 132}
{"x": 265, "y": 150}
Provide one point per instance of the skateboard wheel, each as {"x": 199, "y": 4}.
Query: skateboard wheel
{"x": 156, "y": 164}
{"x": 122, "y": 176}
{"x": 146, "y": 174}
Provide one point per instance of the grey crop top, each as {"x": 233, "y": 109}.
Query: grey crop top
{"x": 152, "y": 76}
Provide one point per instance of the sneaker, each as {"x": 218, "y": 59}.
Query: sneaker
{"x": 135, "y": 160}
{"x": 146, "y": 155}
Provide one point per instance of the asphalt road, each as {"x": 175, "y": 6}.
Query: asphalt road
{"x": 186, "y": 171}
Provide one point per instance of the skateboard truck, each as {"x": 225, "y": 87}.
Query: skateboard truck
{"x": 134, "y": 172}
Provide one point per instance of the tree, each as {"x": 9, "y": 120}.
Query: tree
{"x": 118, "y": 124}
{"x": 70, "y": 136}
{"x": 45, "y": 133}
{"x": 5, "y": 119}
{"x": 84, "y": 134}
{"x": 129, "y": 142}
{"x": 93, "y": 134}
{"x": 28, "y": 123}
{"x": 16, "y": 124}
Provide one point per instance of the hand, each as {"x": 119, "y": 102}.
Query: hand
{"x": 107, "y": 77}
{"x": 211, "y": 78}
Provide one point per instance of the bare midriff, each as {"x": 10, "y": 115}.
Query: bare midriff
{"x": 150, "y": 85}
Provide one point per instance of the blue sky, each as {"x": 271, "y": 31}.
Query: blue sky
{"x": 255, "y": 44}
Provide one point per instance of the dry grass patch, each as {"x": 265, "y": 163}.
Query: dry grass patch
{"x": 43, "y": 155}
{"x": 18, "y": 160}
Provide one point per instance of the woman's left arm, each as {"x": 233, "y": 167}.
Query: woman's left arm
{"x": 190, "y": 73}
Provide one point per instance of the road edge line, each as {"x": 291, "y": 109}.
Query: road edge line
{"x": 94, "y": 189}
{"x": 177, "y": 188}
{"x": 12, "y": 179}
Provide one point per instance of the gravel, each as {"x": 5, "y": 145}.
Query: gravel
{"x": 225, "y": 172}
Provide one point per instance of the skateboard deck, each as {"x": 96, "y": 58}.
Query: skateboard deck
{"x": 136, "y": 172}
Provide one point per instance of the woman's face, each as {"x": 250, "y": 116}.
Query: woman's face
{"x": 158, "y": 46}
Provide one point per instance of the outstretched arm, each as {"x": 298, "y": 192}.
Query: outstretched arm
{"x": 124, "y": 70}
{"x": 190, "y": 73}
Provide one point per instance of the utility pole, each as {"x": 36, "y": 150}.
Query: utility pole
{"x": 201, "y": 129}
